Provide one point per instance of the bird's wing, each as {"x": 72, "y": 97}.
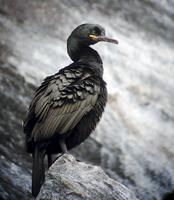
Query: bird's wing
{"x": 60, "y": 105}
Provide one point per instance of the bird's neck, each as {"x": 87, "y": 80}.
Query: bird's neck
{"x": 83, "y": 53}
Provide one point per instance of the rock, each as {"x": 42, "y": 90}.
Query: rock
{"x": 15, "y": 164}
{"x": 68, "y": 179}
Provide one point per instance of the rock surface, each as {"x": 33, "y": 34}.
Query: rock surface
{"x": 15, "y": 165}
{"x": 68, "y": 179}
{"x": 133, "y": 142}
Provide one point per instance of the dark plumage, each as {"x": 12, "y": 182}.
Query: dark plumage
{"x": 68, "y": 105}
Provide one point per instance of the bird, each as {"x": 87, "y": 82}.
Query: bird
{"x": 68, "y": 105}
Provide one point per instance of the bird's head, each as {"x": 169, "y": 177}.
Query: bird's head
{"x": 90, "y": 34}
{"x": 82, "y": 37}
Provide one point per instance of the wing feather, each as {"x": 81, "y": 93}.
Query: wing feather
{"x": 62, "y": 102}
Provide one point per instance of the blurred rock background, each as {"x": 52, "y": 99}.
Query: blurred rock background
{"x": 134, "y": 141}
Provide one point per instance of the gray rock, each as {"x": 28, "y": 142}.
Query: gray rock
{"x": 68, "y": 179}
{"x": 15, "y": 165}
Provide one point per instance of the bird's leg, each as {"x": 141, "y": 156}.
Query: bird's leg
{"x": 50, "y": 160}
{"x": 63, "y": 146}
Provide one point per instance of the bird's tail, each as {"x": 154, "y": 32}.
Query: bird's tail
{"x": 38, "y": 173}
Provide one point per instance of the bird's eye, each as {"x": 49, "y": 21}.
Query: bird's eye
{"x": 96, "y": 31}
{"x": 93, "y": 32}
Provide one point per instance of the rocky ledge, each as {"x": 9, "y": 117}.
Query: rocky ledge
{"x": 69, "y": 179}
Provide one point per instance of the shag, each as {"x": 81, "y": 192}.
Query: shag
{"x": 68, "y": 105}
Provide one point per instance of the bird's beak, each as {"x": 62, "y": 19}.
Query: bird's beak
{"x": 102, "y": 38}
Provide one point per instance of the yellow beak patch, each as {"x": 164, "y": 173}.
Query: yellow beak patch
{"x": 93, "y": 37}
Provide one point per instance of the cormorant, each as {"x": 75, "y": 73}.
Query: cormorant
{"x": 68, "y": 105}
